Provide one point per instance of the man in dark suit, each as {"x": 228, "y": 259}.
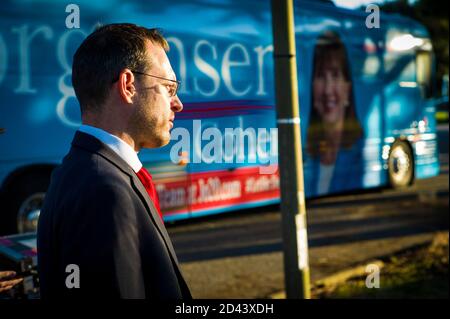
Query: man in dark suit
{"x": 100, "y": 231}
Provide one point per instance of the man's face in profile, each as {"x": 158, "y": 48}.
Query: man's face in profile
{"x": 155, "y": 109}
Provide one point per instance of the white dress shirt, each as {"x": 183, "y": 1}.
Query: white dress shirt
{"x": 124, "y": 150}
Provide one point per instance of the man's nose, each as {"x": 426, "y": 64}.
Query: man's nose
{"x": 175, "y": 104}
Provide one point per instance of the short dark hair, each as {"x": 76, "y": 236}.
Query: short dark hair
{"x": 101, "y": 57}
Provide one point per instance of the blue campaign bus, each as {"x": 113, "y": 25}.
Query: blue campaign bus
{"x": 367, "y": 117}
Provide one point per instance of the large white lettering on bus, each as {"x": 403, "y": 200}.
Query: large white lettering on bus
{"x": 206, "y": 67}
{"x": 66, "y": 90}
{"x": 25, "y": 39}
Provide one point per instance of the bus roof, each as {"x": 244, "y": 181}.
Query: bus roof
{"x": 331, "y": 8}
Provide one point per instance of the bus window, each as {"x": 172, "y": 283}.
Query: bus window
{"x": 424, "y": 65}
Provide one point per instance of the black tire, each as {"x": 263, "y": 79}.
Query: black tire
{"x": 401, "y": 165}
{"x": 23, "y": 197}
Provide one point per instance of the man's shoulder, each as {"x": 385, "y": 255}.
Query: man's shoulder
{"x": 82, "y": 181}
{"x": 82, "y": 162}
{"x": 82, "y": 172}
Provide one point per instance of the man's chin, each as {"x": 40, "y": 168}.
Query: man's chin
{"x": 156, "y": 143}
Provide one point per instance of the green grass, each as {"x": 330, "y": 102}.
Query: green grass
{"x": 418, "y": 273}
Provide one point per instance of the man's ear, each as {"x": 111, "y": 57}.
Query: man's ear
{"x": 126, "y": 86}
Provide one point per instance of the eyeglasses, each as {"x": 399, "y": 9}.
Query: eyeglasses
{"x": 172, "y": 89}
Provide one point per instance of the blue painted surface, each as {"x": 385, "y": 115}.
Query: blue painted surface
{"x": 222, "y": 53}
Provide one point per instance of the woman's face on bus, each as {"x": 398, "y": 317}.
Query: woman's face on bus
{"x": 331, "y": 90}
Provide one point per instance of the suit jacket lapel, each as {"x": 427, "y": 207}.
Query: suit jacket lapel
{"x": 140, "y": 189}
{"x": 93, "y": 145}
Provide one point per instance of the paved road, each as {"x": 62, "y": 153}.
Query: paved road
{"x": 239, "y": 255}
{"x": 330, "y": 221}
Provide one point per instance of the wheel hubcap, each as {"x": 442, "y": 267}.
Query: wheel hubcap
{"x": 400, "y": 164}
{"x": 29, "y": 211}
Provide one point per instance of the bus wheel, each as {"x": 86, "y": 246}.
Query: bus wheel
{"x": 28, "y": 213}
{"x": 401, "y": 165}
{"x": 24, "y": 202}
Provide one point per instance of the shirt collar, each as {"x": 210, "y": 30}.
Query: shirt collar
{"x": 123, "y": 149}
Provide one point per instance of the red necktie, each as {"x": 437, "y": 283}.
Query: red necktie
{"x": 146, "y": 178}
